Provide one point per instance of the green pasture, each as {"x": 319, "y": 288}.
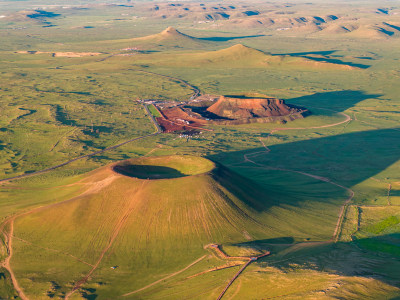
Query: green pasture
{"x": 53, "y": 109}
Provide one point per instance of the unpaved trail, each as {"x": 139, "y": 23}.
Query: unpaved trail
{"x": 6, "y": 263}
{"x": 62, "y": 137}
{"x": 117, "y": 228}
{"x": 223, "y": 255}
{"x": 167, "y": 277}
{"x": 196, "y": 91}
{"x": 90, "y": 154}
{"x": 9, "y": 234}
{"x": 227, "y": 266}
{"x": 154, "y": 149}
{"x": 233, "y": 279}
{"x": 246, "y": 158}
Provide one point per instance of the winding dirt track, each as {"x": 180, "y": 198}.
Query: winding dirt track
{"x": 117, "y": 228}
{"x": 90, "y": 154}
{"x": 167, "y": 277}
{"x": 6, "y": 262}
{"x": 9, "y": 235}
{"x": 223, "y": 255}
{"x": 196, "y": 91}
{"x": 320, "y": 178}
{"x": 324, "y": 179}
{"x": 123, "y": 218}
{"x": 10, "y": 221}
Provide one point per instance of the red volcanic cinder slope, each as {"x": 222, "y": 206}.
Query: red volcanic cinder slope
{"x": 238, "y": 108}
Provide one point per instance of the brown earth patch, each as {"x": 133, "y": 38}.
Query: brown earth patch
{"x": 175, "y": 119}
{"x": 231, "y": 110}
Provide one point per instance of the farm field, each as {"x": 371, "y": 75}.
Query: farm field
{"x": 97, "y": 202}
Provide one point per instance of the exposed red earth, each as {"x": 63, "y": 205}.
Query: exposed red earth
{"x": 175, "y": 119}
{"x": 227, "y": 111}
{"x": 242, "y": 108}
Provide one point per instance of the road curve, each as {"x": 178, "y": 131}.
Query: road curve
{"x": 6, "y": 263}
{"x": 246, "y": 158}
{"x": 223, "y": 255}
{"x": 196, "y": 91}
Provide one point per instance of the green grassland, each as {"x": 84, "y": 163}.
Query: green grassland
{"x": 53, "y": 109}
{"x": 163, "y": 224}
{"x": 154, "y": 111}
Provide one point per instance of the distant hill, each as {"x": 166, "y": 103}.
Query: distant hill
{"x": 241, "y": 56}
{"x": 169, "y": 38}
{"x": 170, "y": 34}
{"x": 362, "y": 29}
{"x": 237, "y": 54}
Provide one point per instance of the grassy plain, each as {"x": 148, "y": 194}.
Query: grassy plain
{"x": 57, "y": 108}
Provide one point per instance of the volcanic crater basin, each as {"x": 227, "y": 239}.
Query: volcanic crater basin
{"x": 163, "y": 167}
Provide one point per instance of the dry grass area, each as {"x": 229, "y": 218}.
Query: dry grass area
{"x": 63, "y": 54}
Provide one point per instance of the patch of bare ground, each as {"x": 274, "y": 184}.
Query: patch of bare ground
{"x": 175, "y": 119}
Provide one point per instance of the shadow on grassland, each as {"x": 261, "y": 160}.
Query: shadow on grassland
{"x": 374, "y": 257}
{"x": 337, "y": 100}
{"x": 347, "y": 159}
{"x": 229, "y": 38}
{"x": 326, "y": 56}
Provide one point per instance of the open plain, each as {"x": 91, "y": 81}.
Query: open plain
{"x": 199, "y": 149}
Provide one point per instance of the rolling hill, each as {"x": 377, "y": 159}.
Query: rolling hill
{"x": 241, "y": 56}
{"x": 170, "y": 38}
{"x": 146, "y": 228}
{"x": 170, "y": 35}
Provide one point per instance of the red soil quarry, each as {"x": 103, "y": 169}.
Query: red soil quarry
{"x": 175, "y": 119}
{"x": 227, "y": 111}
{"x": 238, "y": 108}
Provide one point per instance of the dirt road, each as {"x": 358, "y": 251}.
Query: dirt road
{"x": 223, "y": 255}
{"x": 117, "y": 228}
{"x": 6, "y": 262}
{"x": 196, "y": 91}
{"x": 165, "y": 278}
{"x": 320, "y": 178}
{"x": 10, "y": 221}
{"x": 9, "y": 234}
{"x": 90, "y": 154}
